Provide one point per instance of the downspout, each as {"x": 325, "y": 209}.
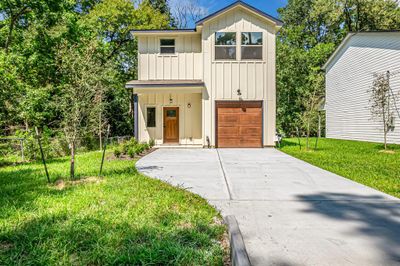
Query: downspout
{"x": 135, "y": 117}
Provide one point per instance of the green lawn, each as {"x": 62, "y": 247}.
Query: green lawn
{"x": 362, "y": 162}
{"x": 124, "y": 218}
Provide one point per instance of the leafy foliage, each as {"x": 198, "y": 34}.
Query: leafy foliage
{"x": 31, "y": 34}
{"x": 312, "y": 30}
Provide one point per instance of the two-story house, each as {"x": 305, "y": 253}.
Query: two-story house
{"x": 209, "y": 86}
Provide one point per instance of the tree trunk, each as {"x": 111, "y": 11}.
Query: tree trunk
{"x": 308, "y": 135}
{"x": 100, "y": 140}
{"x": 72, "y": 168}
{"x": 384, "y": 127}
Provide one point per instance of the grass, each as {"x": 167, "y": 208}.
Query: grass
{"x": 363, "y": 162}
{"x": 123, "y": 218}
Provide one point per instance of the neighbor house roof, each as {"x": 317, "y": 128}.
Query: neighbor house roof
{"x": 200, "y": 23}
{"x": 164, "y": 83}
{"x": 348, "y": 37}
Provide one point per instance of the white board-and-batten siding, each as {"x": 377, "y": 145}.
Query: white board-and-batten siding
{"x": 254, "y": 78}
{"x": 186, "y": 63}
{"x": 194, "y": 59}
{"x": 349, "y": 79}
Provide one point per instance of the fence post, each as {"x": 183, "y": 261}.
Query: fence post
{"x": 104, "y": 150}
{"x": 41, "y": 152}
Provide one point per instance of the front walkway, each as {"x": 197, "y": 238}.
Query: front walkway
{"x": 290, "y": 212}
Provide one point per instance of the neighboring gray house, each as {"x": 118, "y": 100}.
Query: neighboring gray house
{"x": 349, "y": 77}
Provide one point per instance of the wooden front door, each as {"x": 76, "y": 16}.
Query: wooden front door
{"x": 171, "y": 124}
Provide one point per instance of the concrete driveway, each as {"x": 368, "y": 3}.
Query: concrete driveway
{"x": 290, "y": 212}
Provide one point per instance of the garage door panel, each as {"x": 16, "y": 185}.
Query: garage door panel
{"x": 249, "y": 143}
{"x": 230, "y": 143}
{"x": 239, "y": 125}
{"x": 229, "y": 131}
{"x": 250, "y": 131}
{"x": 231, "y": 118}
{"x": 249, "y": 119}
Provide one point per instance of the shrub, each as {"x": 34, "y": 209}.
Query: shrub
{"x": 146, "y": 146}
{"x": 117, "y": 152}
{"x": 151, "y": 143}
{"x": 131, "y": 152}
{"x": 128, "y": 145}
{"x": 139, "y": 149}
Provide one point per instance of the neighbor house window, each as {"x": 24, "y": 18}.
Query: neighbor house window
{"x": 167, "y": 46}
{"x": 252, "y": 45}
{"x": 225, "y": 45}
{"x": 151, "y": 117}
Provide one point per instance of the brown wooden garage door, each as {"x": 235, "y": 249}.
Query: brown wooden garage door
{"x": 239, "y": 124}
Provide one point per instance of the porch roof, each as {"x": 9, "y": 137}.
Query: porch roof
{"x": 151, "y": 86}
{"x": 164, "y": 83}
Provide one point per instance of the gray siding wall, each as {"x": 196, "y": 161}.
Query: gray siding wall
{"x": 348, "y": 80}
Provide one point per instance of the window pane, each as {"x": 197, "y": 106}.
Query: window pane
{"x": 167, "y": 50}
{"x": 249, "y": 52}
{"x": 252, "y": 38}
{"x": 167, "y": 42}
{"x": 151, "y": 116}
{"x": 171, "y": 113}
{"x": 225, "y": 52}
{"x": 225, "y": 38}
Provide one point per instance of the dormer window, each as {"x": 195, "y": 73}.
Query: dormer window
{"x": 225, "y": 46}
{"x": 251, "y": 45}
{"x": 167, "y": 46}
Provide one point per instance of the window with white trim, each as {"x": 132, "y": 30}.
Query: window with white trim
{"x": 167, "y": 46}
{"x": 225, "y": 46}
{"x": 252, "y": 43}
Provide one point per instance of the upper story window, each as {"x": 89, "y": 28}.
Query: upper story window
{"x": 225, "y": 45}
{"x": 251, "y": 45}
{"x": 167, "y": 46}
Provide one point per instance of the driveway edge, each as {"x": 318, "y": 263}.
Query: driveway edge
{"x": 239, "y": 256}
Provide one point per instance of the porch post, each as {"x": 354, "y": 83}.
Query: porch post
{"x": 135, "y": 117}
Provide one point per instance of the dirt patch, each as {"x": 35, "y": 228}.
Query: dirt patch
{"x": 185, "y": 225}
{"x": 61, "y": 184}
{"x": 5, "y": 246}
{"x": 387, "y": 151}
{"x": 227, "y": 250}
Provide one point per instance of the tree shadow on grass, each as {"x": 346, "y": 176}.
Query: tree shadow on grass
{"x": 376, "y": 219}
{"x": 79, "y": 240}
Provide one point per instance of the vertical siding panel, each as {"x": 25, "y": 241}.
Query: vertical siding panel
{"x": 235, "y": 80}
{"x": 251, "y": 71}
{"x": 227, "y": 77}
{"x": 160, "y": 70}
{"x": 243, "y": 80}
{"x": 167, "y": 67}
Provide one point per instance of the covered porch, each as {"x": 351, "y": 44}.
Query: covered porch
{"x": 168, "y": 112}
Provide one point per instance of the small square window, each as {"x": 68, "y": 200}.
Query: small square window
{"x": 167, "y": 46}
{"x": 151, "y": 117}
